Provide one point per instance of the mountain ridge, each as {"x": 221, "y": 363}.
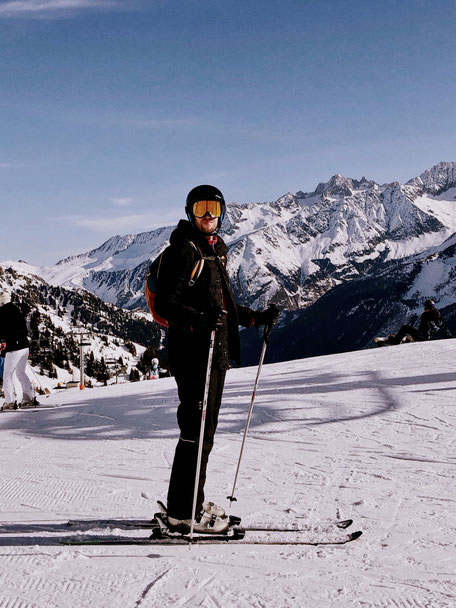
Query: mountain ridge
{"x": 305, "y": 242}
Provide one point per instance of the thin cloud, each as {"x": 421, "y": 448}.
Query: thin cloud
{"x": 110, "y": 120}
{"x": 123, "y": 201}
{"x": 12, "y": 166}
{"x": 53, "y": 8}
{"x": 116, "y": 225}
{"x": 145, "y": 123}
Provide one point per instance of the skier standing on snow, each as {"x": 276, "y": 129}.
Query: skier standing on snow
{"x": 193, "y": 310}
{"x": 431, "y": 321}
{"x": 13, "y": 330}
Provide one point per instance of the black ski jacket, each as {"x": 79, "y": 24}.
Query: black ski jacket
{"x": 185, "y": 306}
{"x": 13, "y": 328}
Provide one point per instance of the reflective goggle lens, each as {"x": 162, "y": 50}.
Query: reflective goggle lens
{"x": 202, "y": 207}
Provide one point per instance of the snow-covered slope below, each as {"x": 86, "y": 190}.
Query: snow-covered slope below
{"x": 366, "y": 435}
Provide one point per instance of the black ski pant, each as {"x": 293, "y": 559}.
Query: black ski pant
{"x": 190, "y": 387}
{"x": 406, "y": 330}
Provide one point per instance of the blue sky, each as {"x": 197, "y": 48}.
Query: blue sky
{"x": 111, "y": 110}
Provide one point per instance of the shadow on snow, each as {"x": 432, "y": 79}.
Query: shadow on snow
{"x": 279, "y": 399}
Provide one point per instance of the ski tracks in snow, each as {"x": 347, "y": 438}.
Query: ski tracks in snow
{"x": 367, "y": 436}
{"x": 153, "y": 585}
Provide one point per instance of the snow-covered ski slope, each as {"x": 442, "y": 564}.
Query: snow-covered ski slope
{"x": 368, "y": 435}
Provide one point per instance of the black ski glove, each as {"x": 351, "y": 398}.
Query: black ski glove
{"x": 212, "y": 319}
{"x": 215, "y": 317}
{"x": 266, "y": 317}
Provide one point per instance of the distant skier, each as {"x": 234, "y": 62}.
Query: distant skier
{"x": 155, "y": 370}
{"x": 431, "y": 321}
{"x": 13, "y": 330}
{"x": 2, "y": 360}
{"x": 193, "y": 309}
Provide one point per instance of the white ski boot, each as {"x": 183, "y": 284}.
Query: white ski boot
{"x": 211, "y": 508}
{"x": 204, "y": 524}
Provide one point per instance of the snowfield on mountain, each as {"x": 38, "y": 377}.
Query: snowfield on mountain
{"x": 367, "y": 435}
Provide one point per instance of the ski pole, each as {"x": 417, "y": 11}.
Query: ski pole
{"x": 201, "y": 436}
{"x": 40, "y": 388}
{"x": 267, "y": 331}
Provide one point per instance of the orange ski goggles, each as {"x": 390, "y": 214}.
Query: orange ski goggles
{"x": 200, "y": 208}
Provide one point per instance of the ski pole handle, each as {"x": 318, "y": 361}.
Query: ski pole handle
{"x": 275, "y": 311}
{"x": 267, "y": 333}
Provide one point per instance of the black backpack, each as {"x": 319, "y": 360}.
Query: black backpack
{"x": 151, "y": 288}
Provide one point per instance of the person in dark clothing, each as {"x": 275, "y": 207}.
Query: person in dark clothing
{"x": 2, "y": 360}
{"x": 13, "y": 331}
{"x": 431, "y": 321}
{"x": 193, "y": 308}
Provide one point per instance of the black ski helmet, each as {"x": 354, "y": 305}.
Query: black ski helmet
{"x": 204, "y": 193}
{"x": 429, "y": 304}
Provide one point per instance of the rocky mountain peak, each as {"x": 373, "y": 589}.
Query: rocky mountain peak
{"x": 113, "y": 245}
{"x": 338, "y": 185}
{"x": 438, "y": 179}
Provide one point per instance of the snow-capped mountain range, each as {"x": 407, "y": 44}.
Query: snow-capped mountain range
{"x": 348, "y": 261}
{"x": 292, "y": 250}
{"x": 351, "y": 314}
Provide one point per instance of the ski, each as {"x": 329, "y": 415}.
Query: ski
{"x": 111, "y": 523}
{"x": 261, "y": 535}
{"x": 33, "y": 408}
{"x": 235, "y": 538}
{"x": 161, "y": 535}
{"x": 150, "y": 524}
{"x": 128, "y": 523}
{"x": 233, "y": 521}
{"x": 342, "y": 525}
